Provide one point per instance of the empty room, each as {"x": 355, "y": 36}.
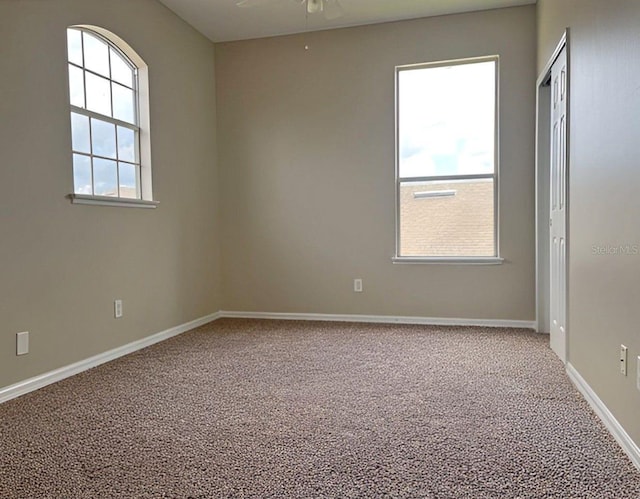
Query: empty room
{"x": 319, "y": 248}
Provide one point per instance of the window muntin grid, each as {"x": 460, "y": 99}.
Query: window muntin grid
{"x": 104, "y": 117}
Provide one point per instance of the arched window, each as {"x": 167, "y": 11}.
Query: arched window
{"x": 108, "y": 119}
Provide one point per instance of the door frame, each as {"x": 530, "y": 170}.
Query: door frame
{"x": 542, "y": 192}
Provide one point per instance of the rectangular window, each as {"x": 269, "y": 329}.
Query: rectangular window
{"x": 446, "y": 173}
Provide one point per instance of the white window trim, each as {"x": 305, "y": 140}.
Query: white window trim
{"x": 439, "y": 260}
{"x": 458, "y": 260}
{"x": 142, "y": 90}
{"x": 112, "y": 201}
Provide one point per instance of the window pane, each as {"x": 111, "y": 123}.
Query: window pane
{"x": 105, "y": 174}
{"x": 446, "y": 120}
{"x": 80, "y": 138}
{"x": 76, "y": 86}
{"x": 120, "y": 70}
{"x": 126, "y": 144}
{"x": 96, "y": 54}
{"x": 447, "y": 218}
{"x": 103, "y": 138}
{"x": 82, "y": 174}
{"x": 123, "y": 104}
{"x": 74, "y": 46}
{"x": 128, "y": 181}
{"x": 98, "y": 94}
{"x": 103, "y": 89}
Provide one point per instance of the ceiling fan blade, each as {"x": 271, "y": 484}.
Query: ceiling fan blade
{"x": 255, "y": 3}
{"x": 332, "y": 9}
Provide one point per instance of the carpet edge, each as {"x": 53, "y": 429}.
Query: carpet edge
{"x": 608, "y": 419}
{"x": 381, "y": 319}
{"x": 40, "y": 381}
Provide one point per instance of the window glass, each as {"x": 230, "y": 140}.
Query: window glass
{"x": 128, "y": 180}
{"x": 106, "y": 177}
{"x": 105, "y": 135}
{"x": 76, "y": 86}
{"x": 80, "y": 135}
{"x": 447, "y": 218}
{"x": 123, "y": 103}
{"x": 82, "y": 178}
{"x": 98, "y": 94}
{"x": 446, "y": 177}
{"x": 126, "y": 144}
{"x": 103, "y": 138}
{"x": 120, "y": 70}
{"x": 96, "y": 55}
{"x": 74, "y": 46}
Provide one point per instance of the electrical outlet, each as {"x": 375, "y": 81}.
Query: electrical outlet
{"x": 623, "y": 360}
{"x": 117, "y": 308}
{"x": 638, "y": 374}
{"x": 22, "y": 343}
{"x": 357, "y": 285}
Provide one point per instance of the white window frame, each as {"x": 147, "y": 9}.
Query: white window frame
{"x": 141, "y": 126}
{"x": 487, "y": 260}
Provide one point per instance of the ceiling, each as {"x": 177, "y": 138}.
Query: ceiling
{"x": 223, "y": 20}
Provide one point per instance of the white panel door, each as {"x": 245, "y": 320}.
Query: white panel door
{"x": 558, "y": 211}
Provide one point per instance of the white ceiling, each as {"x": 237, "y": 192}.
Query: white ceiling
{"x": 223, "y": 20}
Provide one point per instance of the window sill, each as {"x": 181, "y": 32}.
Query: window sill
{"x": 488, "y": 260}
{"x": 111, "y": 201}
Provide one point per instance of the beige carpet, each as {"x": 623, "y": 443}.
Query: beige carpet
{"x": 245, "y": 408}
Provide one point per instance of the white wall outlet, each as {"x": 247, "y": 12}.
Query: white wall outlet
{"x": 22, "y": 343}
{"x": 117, "y": 308}
{"x": 623, "y": 360}
{"x": 638, "y": 374}
{"x": 357, "y": 285}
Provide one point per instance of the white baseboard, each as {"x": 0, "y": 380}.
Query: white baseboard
{"x": 42, "y": 380}
{"x": 601, "y": 410}
{"x": 386, "y": 319}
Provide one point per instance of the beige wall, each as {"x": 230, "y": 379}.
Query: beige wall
{"x": 604, "y": 201}
{"x": 62, "y": 265}
{"x": 307, "y": 164}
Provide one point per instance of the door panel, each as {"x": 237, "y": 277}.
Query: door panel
{"x": 558, "y": 202}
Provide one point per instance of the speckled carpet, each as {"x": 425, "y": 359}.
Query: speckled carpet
{"x": 248, "y": 408}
